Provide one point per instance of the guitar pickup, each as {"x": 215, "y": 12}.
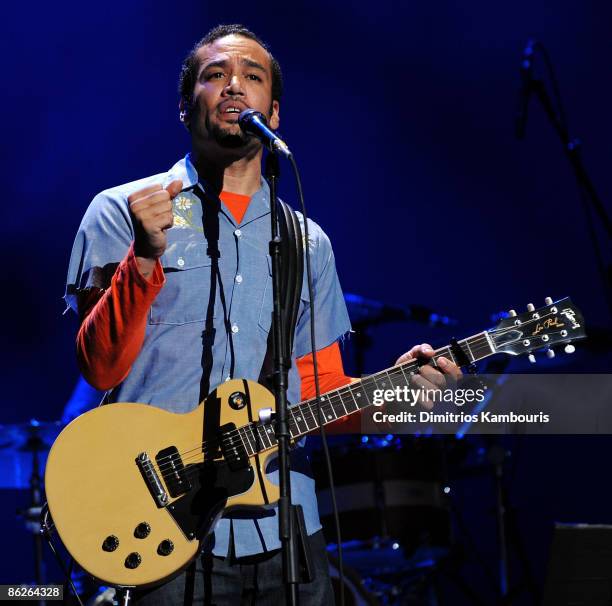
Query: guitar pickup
{"x": 173, "y": 471}
{"x": 151, "y": 479}
{"x": 232, "y": 447}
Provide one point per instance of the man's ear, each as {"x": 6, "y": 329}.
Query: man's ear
{"x": 184, "y": 113}
{"x": 275, "y": 116}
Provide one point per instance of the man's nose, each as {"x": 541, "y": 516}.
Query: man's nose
{"x": 234, "y": 86}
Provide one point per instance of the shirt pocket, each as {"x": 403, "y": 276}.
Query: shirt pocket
{"x": 186, "y": 294}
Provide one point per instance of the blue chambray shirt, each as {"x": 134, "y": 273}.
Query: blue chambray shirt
{"x": 192, "y": 333}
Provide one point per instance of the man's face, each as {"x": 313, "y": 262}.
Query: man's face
{"x": 234, "y": 74}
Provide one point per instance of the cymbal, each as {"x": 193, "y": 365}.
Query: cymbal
{"x": 30, "y": 436}
{"x": 18, "y": 443}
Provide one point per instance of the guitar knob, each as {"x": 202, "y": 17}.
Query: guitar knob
{"x": 142, "y": 531}
{"x": 166, "y": 547}
{"x": 548, "y": 301}
{"x": 550, "y": 353}
{"x": 569, "y": 349}
{"x": 532, "y": 358}
{"x": 530, "y": 307}
{"x": 133, "y": 560}
{"x": 512, "y": 313}
{"x": 111, "y": 542}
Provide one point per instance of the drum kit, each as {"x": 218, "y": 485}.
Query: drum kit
{"x": 23, "y": 454}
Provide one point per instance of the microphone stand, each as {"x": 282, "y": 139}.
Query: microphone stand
{"x": 282, "y": 362}
{"x": 587, "y": 189}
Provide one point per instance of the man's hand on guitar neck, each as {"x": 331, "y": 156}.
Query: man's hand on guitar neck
{"x": 444, "y": 374}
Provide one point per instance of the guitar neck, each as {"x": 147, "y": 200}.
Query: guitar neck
{"x": 339, "y": 403}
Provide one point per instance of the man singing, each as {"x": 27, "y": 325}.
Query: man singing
{"x": 171, "y": 278}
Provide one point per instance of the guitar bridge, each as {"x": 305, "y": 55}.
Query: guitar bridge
{"x": 151, "y": 479}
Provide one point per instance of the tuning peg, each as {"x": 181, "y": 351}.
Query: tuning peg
{"x": 530, "y": 307}
{"x": 548, "y": 301}
{"x": 512, "y": 313}
{"x": 532, "y": 358}
{"x": 569, "y": 349}
{"x": 550, "y": 353}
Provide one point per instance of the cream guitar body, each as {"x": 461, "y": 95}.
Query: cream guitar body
{"x": 103, "y": 499}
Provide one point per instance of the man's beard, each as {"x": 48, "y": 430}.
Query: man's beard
{"x": 226, "y": 138}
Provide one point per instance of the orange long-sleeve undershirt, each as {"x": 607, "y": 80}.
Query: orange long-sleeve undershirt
{"x": 114, "y": 323}
{"x": 113, "y": 327}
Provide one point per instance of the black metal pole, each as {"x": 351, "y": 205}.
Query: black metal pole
{"x": 572, "y": 150}
{"x": 587, "y": 189}
{"x": 281, "y": 368}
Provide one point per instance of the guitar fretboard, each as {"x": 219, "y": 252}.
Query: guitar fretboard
{"x": 336, "y": 404}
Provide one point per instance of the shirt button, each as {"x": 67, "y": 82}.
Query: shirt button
{"x": 235, "y": 328}
{"x": 180, "y": 262}
{"x": 237, "y": 233}
{"x": 238, "y": 278}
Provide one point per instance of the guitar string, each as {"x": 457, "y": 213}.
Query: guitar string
{"x": 329, "y": 404}
{"x": 240, "y": 433}
{"x": 310, "y": 403}
{"x": 476, "y": 342}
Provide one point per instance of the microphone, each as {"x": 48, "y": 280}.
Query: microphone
{"x": 525, "y": 90}
{"x": 254, "y": 123}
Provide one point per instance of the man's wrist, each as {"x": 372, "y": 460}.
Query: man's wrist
{"x": 146, "y": 266}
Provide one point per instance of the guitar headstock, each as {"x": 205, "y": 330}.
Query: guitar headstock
{"x": 556, "y": 322}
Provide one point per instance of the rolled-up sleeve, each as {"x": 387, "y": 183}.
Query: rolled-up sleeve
{"x": 331, "y": 316}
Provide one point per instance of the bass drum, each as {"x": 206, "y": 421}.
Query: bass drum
{"x": 387, "y": 487}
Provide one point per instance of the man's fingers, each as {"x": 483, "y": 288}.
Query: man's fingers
{"x": 141, "y": 193}
{"x": 161, "y": 198}
{"x": 174, "y": 187}
{"x": 169, "y": 222}
{"x": 435, "y": 377}
{"x": 424, "y": 386}
{"x": 418, "y": 351}
{"x": 450, "y": 368}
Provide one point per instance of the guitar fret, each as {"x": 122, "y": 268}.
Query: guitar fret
{"x": 445, "y": 352}
{"x": 351, "y": 393}
{"x": 368, "y": 385}
{"x": 292, "y": 423}
{"x": 269, "y": 431}
{"x": 406, "y": 380}
{"x": 362, "y": 394}
{"x": 308, "y": 411}
{"x": 261, "y": 432}
{"x": 251, "y": 445}
{"x": 341, "y": 403}
{"x": 469, "y": 351}
{"x": 299, "y": 419}
{"x": 390, "y": 378}
{"x": 327, "y": 410}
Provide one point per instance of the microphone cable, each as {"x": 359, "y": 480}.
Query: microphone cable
{"x": 322, "y": 431}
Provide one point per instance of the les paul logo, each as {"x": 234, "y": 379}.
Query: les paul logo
{"x": 546, "y": 325}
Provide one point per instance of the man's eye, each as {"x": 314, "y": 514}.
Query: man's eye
{"x": 214, "y": 75}
{"x": 254, "y": 77}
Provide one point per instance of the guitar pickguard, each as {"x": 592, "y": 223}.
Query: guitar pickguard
{"x": 195, "y": 512}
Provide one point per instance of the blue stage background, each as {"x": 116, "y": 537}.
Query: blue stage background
{"x": 401, "y": 116}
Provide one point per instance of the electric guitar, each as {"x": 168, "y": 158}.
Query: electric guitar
{"x": 134, "y": 490}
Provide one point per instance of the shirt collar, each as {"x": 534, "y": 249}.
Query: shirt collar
{"x": 186, "y": 171}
